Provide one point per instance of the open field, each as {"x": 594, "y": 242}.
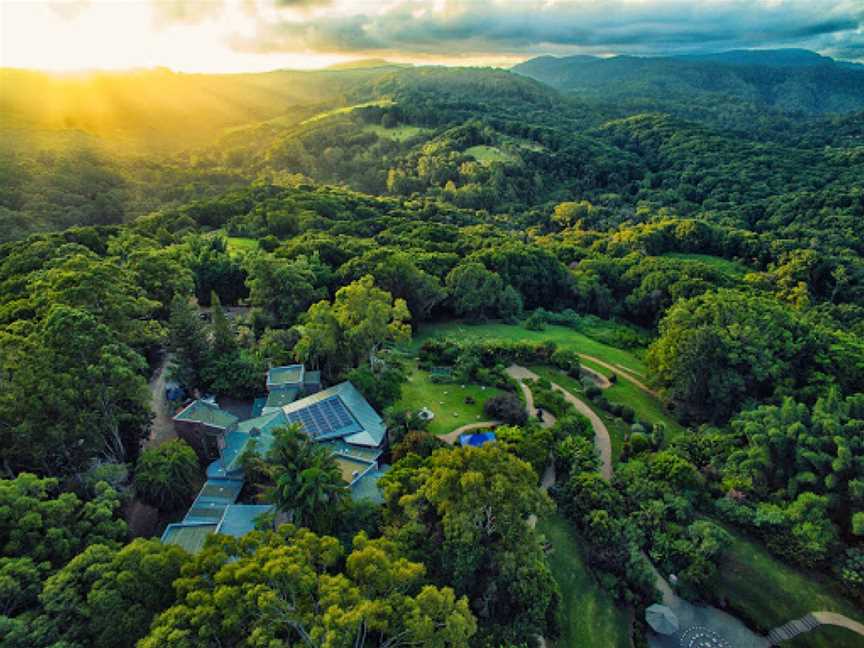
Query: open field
{"x": 488, "y": 154}
{"x": 399, "y": 133}
{"x": 238, "y": 244}
{"x": 589, "y": 616}
{"x": 565, "y": 338}
{"x": 346, "y": 109}
{"x": 766, "y": 593}
{"x": 447, "y": 401}
{"x": 731, "y": 268}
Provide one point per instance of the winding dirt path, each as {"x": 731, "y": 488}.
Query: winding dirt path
{"x": 623, "y": 373}
{"x": 602, "y": 441}
{"x": 162, "y": 427}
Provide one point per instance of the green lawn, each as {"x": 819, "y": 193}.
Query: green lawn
{"x": 564, "y": 337}
{"x": 383, "y": 103}
{"x": 766, "y": 593}
{"x": 589, "y": 616}
{"x": 731, "y": 268}
{"x": 399, "y": 133}
{"x": 238, "y": 244}
{"x": 447, "y": 401}
{"x": 488, "y": 154}
{"x": 645, "y": 405}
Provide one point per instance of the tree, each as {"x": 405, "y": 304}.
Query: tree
{"x": 286, "y": 588}
{"x": 107, "y": 597}
{"x": 45, "y": 524}
{"x": 284, "y": 288}
{"x": 722, "y": 347}
{"x": 507, "y": 408}
{"x": 381, "y": 389}
{"x": 510, "y": 304}
{"x": 168, "y": 475}
{"x": 300, "y": 477}
{"x": 464, "y": 512}
{"x": 474, "y": 291}
{"x": 223, "y": 339}
{"x": 397, "y": 273}
{"x": 352, "y": 328}
{"x": 188, "y": 342}
{"x": 72, "y": 393}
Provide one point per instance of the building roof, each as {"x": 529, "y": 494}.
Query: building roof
{"x": 338, "y": 412}
{"x": 210, "y": 414}
{"x": 240, "y": 519}
{"x": 352, "y": 469}
{"x": 260, "y": 429}
{"x": 189, "y": 536}
{"x": 339, "y": 447}
{"x": 280, "y": 397}
{"x": 366, "y": 488}
{"x": 215, "y": 496}
{"x": 289, "y": 375}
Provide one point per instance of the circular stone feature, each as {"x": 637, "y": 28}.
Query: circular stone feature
{"x": 702, "y": 637}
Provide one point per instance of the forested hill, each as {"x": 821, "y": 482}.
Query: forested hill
{"x": 115, "y": 147}
{"x": 790, "y": 81}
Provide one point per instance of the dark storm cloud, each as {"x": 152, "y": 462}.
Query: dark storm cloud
{"x": 529, "y": 26}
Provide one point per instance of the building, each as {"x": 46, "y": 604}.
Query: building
{"x": 338, "y": 417}
{"x": 203, "y": 425}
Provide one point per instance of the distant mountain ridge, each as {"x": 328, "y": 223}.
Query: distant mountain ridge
{"x": 787, "y": 80}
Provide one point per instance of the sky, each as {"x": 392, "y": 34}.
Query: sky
{"x": 257, "y": 35}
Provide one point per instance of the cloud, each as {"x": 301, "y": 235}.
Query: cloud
{"x": 442, "y": 27}
{"x": 188, "y": 12}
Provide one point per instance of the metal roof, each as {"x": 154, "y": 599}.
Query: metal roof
{"x": 240, "y": 519}
{"x": 366, "y": 429}
{"x": 285, "y": 376}
{"x": 199, "y": 411}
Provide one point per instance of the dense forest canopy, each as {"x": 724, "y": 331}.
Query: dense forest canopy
{"x": 699, "y": 219}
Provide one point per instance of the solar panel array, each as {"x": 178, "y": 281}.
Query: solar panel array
{"x": 324, "y": 418}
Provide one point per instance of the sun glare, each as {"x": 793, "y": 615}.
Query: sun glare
{"x": 64, "y": 37}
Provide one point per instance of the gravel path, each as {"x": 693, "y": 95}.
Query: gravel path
{"x": 602, "y": 441}
{"x": 622, "y": 372}
{"x": 162, "y": 427}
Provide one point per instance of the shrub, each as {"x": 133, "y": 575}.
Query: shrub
{"x": 535, "y": 322}
{"x": 507, "y": 408}
{"x": 167, "y": 476}
{"x": 268, "y": 243}
{"x": 592, "y": 392}
{"x": 627, "y": 413}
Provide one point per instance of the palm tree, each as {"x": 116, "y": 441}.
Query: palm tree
{"x": 305, "y": 480}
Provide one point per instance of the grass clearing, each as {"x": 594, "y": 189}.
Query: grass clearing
{"x": 727, "y": 267}
{"x": 447, "y": 401}
{"x": 237, "y": 244}
{"x": 590, "y": 617}
{"x": 488, "y": 154}
{"x": 382, "y": 103}
{"x": 400, "y": 133}
{"x": 565, "y": 338}
{"x": 766, "y": 592}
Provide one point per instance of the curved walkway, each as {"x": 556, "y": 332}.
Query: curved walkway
{"x": 602, "y": 441}
{"x": 623, "y": 373}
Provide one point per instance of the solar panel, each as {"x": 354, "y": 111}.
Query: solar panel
{"x": 324, "y": 418}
